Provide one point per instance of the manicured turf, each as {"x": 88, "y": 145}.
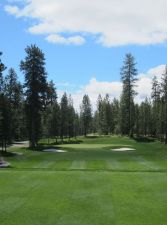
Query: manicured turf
{"x": 87, "y": 185}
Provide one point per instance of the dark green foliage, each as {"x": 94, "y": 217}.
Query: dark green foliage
{"x": 64, "y": 116}
{"x": 2, "y": 68}
{"x": 53, "y": 121}
{"x": 4, "y": 111}
{"x": 51, "y": 97}
{"x": 86, "y": 114}
{"x": 36, "y": 88}
{"x": 71, "y": 118}
{"x": 164, "y": 104}
{"x": 105, "y": 115}
{"x": 145, "y": 120}
{"x": 51, "y": 114}
{"x": 128, "y": 77}
{"x": 156, "y": 102}
{"x": 5, "y": 134}
{"x": 14, "y": 93}
{"x": 33, "y": 110}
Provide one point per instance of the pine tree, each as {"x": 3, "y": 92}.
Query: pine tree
{"x": 4, "y": 122}
{"x": 115, "y": 114}
{"x": 2, "y": 69}
{"x": 51, "y": 94}
{"x": 145, "y": 120}
{"x": 164, "y": 104}
{"x": 128, "y": 77}
{"x": 53, "y": 121}
{"x": 101, "y": 115}
{"x": 137, "y": 120}
{"x": 49, "y": 112}
{"x": 64, "y": 125}
{"x": 71, "y": 118}
{"x": 14, "y": 93}
{"x": 3, "y": 107}
{"x": 36, "y": 87}
{"x": 108, "y": 115}
{"x": 77, "y": 127}
{"x": 155, "y": 95}
{"x": 86, "y": 114}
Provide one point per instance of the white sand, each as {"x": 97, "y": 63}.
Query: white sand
{"x": 18, "y": 153}
{"x": 123, "y": 149}
{"x": 20, "y": 144}
{"x": 4, "y": 164}
{"x": 54, "y": 150}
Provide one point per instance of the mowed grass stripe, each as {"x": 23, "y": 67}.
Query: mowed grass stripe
{"x": 83, "y": 198}
{"x": 44, "y": 164}
{"x": 96, "y": 164}
{"x": 113, "y": 164}
{"x": 78, "y": 165}
{"x": 146, "y": 164}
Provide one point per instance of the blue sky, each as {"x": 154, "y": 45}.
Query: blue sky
{"x": 73, "y": 64}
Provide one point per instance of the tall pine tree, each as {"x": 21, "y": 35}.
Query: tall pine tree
{"x": 128, "y": 77}
{"x": 33, "y": 67}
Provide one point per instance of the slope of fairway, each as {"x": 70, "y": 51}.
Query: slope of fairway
{"x": 88, "y": 185}
{"x": 90, "y": 155}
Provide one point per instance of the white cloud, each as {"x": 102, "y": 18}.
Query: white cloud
{"x": 12, "y": 10}
{"x": 114, "y": 89}
{"x": 112, "y": 22}
{"x": 55, "y": 38}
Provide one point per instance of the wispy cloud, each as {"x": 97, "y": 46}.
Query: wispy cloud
{"x": 113, "y": 22}
{"x": 58, "y": 39}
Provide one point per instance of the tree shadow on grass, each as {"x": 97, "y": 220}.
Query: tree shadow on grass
{"x": 144, "y": 139}
{"x": 62, "y": 142}
{"x": 92, "y": 136}
{"x": 8, "y": 154}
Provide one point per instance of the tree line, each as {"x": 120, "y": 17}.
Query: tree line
{"x": 31, "y": 110}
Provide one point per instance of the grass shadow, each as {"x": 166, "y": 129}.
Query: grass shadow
{"x": 144, "y": 139}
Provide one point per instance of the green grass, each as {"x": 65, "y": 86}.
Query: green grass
{"x": 88, "y": 185}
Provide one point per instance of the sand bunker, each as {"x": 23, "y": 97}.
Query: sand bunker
{"x": 123, "y": 149}
{"x": 18, "y": 153}
{"x": 54, "y": 150}
{"x": 20, "y": 144}
{"x": 4, "y": 164}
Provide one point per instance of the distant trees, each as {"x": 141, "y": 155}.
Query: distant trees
{"x": 4, "y": 122}
{"x": 53, "y": 122}
{"x": 32, "y": 110}
{"x": 106, "y": 113}
{"x": 86, "y": 114}
{"x": 14, "y": 93}
{"x": 156, "y": 102}
{"x": 2, "y": 69}
{"x": 4, "y": 108}
{"x": 164, "y": 104}
{"x": 33, "y": 67}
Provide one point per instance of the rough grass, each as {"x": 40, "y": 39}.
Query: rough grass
{"x": 88, "y": 185}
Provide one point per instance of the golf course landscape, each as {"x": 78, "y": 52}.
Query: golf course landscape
{"x": 83, "y": 112}
{"x": 88, "y": 183}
